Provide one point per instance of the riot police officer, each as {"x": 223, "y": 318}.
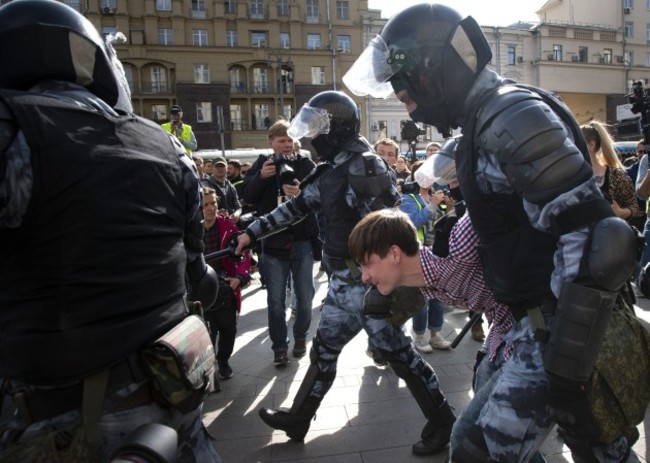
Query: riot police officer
{"x": 100, "y": 225}
{"x": 350, "y": 182}
{"x": 547, "y": 235}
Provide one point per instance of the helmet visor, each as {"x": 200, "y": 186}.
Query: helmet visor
{"x": 309, "y": 123}
{"x": 371, "y": 72}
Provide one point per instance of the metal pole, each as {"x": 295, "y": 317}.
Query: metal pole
{"x": 281, "y": 86}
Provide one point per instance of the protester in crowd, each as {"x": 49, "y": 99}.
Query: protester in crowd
{"x": 421, "y": 206}
{"x": 388, "y": 150}
{"x": 99, "y": 234}
{"x": 402, "y": 168}
{"x": 234, "y": 175}
{"x": 274, "y": 180}
{"x": 207, "y": 167}
{"x": 532, "y": 190}
{"x": 233, "y": 276}
{"x": 432, "y": 148}
{"x": 245, "y": 167}
{"x": 632, "y": 171}
{"x": 180, "y": 130}
{"x": 349, "y": 183}
{"x": 611, "y": 178}
{"x": 198, "y": 162}
{"x": 227, "y": 196}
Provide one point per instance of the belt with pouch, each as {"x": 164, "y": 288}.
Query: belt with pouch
{"x": 536, "y": 318}
{"x": 36, "y": 405}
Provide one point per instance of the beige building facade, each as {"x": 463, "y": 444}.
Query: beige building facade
{"x": 234, "y": 66}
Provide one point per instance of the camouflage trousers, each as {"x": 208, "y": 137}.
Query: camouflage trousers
{"x": 509, "y": 402}
{"x": 342, "y": 319}
{"x": 509, "y": 405}
{"x": 194, "y": 442}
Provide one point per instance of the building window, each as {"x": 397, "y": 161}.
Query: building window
{"x": 258, "y": 39}
{"x": 318, "y": 75}
{"x": 647, "y": 59}
{"x": 285, "y": 40}
{"x": 283, "y": 7}
{"x": 230, "y": 7}
{"x": 628, "y": 4}
{"x": 629, "y": 58}
{"x": 313, "y": 13}
{"x": 198, "y": 9}
{"x": 165, "y": 37}
{"x": 557, "y": 52}
{"x": 512, "y": 55}
{"x": 110, "y": 4}
{"x": 343, "y": 43}
{"x": 313, "y": 41}
{"x": 200, "y": 38}
{"x": 583, "y": 54}
{"x": 231, "y": 38}
{"x": 128, "y": 73}
{"x": 629, "y": 29}
{"x": 108, "y": 30}
{"x": 236, "y": 121}
{"x": 159, "y": 113}
{"x": 342, "y": 10}
{"x": 261, "y": 117}
{"x": 647, "y": 4}
{"x": 204, "y": 112}
{"x": 607, "y": 54}
{"x": 74, "y": 4}
{"x": 261, "y": 80}
{"x": 257, "y": 9}
{"x": 201, "y": 74}
{"x": 158, "y": 79}
{"x": 647, "y": 34}
{"x": 237, "y": 83}
{"x": 164, "y": 5}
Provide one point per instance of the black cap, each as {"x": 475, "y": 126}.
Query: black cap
{"x": 175, "y": 109}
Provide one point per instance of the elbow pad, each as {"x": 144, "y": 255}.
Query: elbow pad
{"x": 611, "y": 253}
{"x": 203, "y": 282}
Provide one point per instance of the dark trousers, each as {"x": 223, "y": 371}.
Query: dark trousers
{"x": 222, "y": 323}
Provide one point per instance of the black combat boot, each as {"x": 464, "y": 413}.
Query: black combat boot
{"x": 436, "y": 433}
{"x": 294, "y": 423}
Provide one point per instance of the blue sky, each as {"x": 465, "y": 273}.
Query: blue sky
{"x": 486, "y": 12}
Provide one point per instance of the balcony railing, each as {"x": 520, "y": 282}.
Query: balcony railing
{"x": 155, "y": 87}
{"x": 238, "y": 87}
{"x": 198, "y": 13}
{"x": 238, "y": 124}
{"x": 259, "y": 13}
{"x": 312, "y": 18}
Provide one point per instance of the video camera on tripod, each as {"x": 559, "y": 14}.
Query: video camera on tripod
{"x": 639, "y": 100}
{"x": 410, "y": 133}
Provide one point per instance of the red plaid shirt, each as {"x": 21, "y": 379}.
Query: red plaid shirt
{"x": 458, "y": 280}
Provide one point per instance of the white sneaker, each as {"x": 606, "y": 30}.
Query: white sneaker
{"x": 438, "y": 342}
{"x": 422, "y": 343}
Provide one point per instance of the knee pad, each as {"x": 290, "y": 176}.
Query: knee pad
{"x": 473, "y": 448}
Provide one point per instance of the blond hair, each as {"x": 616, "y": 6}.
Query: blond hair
{"x": 597, "y": 132}
{"x": 278, "y": 129}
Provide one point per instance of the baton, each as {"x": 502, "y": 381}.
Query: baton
{"x": 459, "y": 337}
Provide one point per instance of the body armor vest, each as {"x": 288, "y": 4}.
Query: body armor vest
{"x": 96, "y": 270}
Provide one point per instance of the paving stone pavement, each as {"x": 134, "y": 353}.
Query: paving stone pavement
{"x": 368, "y": 416}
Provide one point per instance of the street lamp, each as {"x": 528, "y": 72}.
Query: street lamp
{"x": 279, "y": 55}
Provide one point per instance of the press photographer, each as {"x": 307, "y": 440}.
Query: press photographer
{"x": 273, "y": 180}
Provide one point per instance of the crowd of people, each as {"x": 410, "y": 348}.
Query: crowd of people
{"x": 513, "y": 231}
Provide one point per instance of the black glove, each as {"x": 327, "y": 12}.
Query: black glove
{"x": 569, "y": 407}
{"x": 375, "y": 304}
{"x": 203, "y": 282}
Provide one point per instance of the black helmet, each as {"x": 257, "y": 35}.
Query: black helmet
{"x": 430, "y": 51}
{"x": 331, "y": 119}
{"x": 46, "y": 39}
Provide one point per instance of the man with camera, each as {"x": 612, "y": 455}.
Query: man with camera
{"x": 271, "y": 181}
{"x": 180, "y": 130}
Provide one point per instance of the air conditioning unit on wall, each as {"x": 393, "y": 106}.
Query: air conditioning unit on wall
{"x": 551, "y": 57}
{"x": 106, "y": 10}
{"x": 627, "y": 10}
{"x": 575, "y": 59}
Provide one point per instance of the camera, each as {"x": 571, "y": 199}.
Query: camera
{"x": 639, "y": 99}
{"x": 409, "y": 188}
{"x": 285, "y": 171}
{"x": 411, "y": 131}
